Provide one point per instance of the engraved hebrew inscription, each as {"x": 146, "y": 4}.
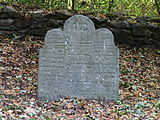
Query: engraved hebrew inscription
{"x": 78, "y": 61}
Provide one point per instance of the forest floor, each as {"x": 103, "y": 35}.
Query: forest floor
{"x": 139, "y": 91}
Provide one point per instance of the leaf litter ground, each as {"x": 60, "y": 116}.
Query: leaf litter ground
{"x": 139, "y": 86}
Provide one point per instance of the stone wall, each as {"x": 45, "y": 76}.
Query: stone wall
{"x": 37, "y": 23}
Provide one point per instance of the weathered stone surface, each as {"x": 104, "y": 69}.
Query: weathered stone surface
{"x": 151, "y": 26}
{"x": 143, "y": 19}
{"x": 141, "y": 31}
{"x": 156, "y": 38}
{"x": 124, "y": 32}
{"x": 37, "y": 15}
{"x": 55, "y": 23}
{"x": 8, "y": 9}
{"x": 22, "y": 23}
{"x": 139, "y": 41}
{"x": 13, "y": 15}
{"x": 10, "y": 28}
{"x": 122, "y": 36}
{"x": 38, "y": 24}
{"x": 6, "y": 22}
{"x": 78, "y": 61}
{"x": 120, "y": 24}
{"x": 37, "y": 32}
{"x": 57, "y": 16}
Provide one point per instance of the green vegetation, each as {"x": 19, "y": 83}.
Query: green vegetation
{"x": 129, "y": 7}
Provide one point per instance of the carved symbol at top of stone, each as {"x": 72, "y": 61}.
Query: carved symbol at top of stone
{"x": 79, "y": 23}
{"x": 54, "y": 37}
{"x": 78, "y": 29}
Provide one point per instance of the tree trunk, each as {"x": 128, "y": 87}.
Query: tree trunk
{"x": 110, "y": 5}
{"x": 72, "y": 4}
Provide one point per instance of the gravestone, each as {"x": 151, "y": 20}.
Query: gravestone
{"x": 78, "y": 61}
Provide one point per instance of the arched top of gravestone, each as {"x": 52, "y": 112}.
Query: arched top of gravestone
{"x": 54, "y": 36}
{"x": 103, "y": 37}
{"x": 79, "y": 23}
